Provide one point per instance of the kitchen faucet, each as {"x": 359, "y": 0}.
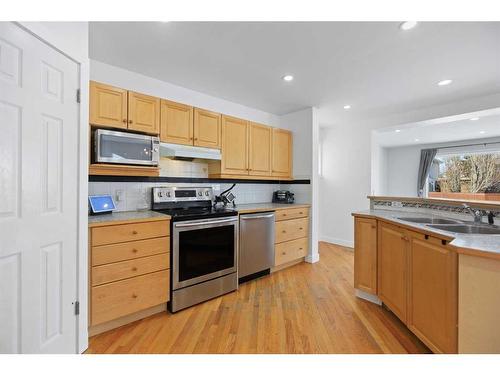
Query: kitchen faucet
{"x": 476, "y": 214}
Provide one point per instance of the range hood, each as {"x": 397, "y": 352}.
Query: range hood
{"x": 172, "y": 150}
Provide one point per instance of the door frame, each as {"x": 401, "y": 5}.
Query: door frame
{"x": 68, "y": 49}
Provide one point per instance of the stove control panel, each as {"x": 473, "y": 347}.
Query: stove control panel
{"x": 181, "y": 194}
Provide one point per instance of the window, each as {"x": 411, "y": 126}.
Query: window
{"x": 465, "y": 174}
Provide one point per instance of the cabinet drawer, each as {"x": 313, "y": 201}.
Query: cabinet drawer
{"x": 291, "y": 229}
{"x": 114, "y": 300}
{"x": 129, "y": 250}
{"x": 292, "y": 213}
{"x": 129, "y": 232}
{"x": 291, "y": 250}
{"x": 129, "y": 268}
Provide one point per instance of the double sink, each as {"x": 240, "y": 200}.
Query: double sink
{"x": 454, "y": 226}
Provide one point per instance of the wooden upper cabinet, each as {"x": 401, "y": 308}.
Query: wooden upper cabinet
{"x": 108, "y": 106}
{"x": 365, "y": 255}
{"x": 207, "y": 128}
{"x": 281, "y": 159}
{"x": 176, "y": 123}
{"x": 392, "y": 268}
{"x": 234, "y": 146}
{"x": 433, "y": 295}
{"x": 143, "y": 113}
{"x": 259, "y": 149}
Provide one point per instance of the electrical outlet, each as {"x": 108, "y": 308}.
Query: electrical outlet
{"x": 118, "y": 195}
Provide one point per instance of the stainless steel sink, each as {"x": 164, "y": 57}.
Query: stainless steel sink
{"x": 467, "y": 228}
{"x": 429, "y": 220}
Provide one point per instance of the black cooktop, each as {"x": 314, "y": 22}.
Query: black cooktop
{"x": 194, "y": 213}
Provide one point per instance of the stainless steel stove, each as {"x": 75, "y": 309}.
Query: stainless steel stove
{"x": 204, "y": 244}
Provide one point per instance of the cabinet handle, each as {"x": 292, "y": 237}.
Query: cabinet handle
{"x": 373, "y": 226}
{"x": 129, "y": 121}
{"x": 443, "y": 242}
{"x": 283, "y": 253}
{"x": 134, "y": 250}
{"x": 301, "y": 213}
{"x": 134, "y": 269}
{"x": 134, "y": 295}
{"x": 284, "y": 214}
{"x": 196, "y": 139}
{"x": 301, "y": 228}
{"x": 134, "y": 232}
{"x": 300, "y": 248}
{"x": 426, "y": 236}
{"x": 284, "y": 231}
{"x": 124, "y": 120}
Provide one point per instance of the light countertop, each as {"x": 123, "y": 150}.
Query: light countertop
{"x": 261, "y": 207}
{"x": 487, "y": 245}
{"x": 122, "y": 217}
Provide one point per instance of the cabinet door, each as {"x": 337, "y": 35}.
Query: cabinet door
{"x": 259, "y": 156}
{"x": 234, "y": 146}
{"x": 365, "y": 255}
{"x": 281, "y": 160}
{"x": 143, "y": 113}
{"x": 176, "y": 123}
{"x": 108, "y": 106}
{"x": 207, "y": 128}
{"x": 392, "y": 268}
{"x": 433, "y": 283}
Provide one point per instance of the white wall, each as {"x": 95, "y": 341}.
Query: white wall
{"x": 72, "y": 39}
{"x": 116, "y": 76}
{"x": 347, "y": 163}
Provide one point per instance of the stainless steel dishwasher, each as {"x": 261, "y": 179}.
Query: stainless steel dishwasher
{"x": 256, "y": 254}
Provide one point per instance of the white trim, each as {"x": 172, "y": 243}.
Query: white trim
{"x": 81, "y": 58}
{"x": 312, "y": 258}
{"x": 368, "y": 297}
{"x": 337, "y": 241}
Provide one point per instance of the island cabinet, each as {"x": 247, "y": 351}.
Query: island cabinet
{"x": 365, "y": 255}
{"x": 113, "y": 107}
{"x": 129, "y": 271}
{"x": 392, "y": 268}
{"x": 433, "y": 282}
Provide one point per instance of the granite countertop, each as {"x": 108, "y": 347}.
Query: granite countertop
{"x": 124, "y": 216}
{"x": 472, "y": 244}
{"x": 261, "y": 207}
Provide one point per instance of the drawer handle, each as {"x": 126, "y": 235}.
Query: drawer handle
{"x": 124, "y": 120}
{"x": 284, "y": 231}
{"x": 135, "y": 250}
{"x": 300, "y": 248}
{"x": 283, "y": 253}
{"x": 134, "y": 232}
{"x": 300, "y": 213}
{"x": 284, "y": 214}
{"x": 134, "y": 295}
{"x": 130, "y": 121}
{"x": 134, "y": 269}
{"x": 426, "y": 236}
{"x": 301, "y": 228}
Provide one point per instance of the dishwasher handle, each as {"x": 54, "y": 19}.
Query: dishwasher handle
{"x": 248, "y": 217}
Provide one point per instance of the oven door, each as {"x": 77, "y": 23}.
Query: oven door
{"x": 203, "y": 250}
{"x": 126, "y": 148}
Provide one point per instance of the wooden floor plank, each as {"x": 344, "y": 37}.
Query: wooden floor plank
{"x": 307, "y": 308}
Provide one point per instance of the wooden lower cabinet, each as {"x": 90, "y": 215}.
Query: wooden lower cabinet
{"x": 129, "y": 270}
{"x": 433, "y": 288}
{"x": 291, "y": 235}
{"x": 392, "y": 268}
{"x": 365, "y": 255}
{"x": 417, "y": 279}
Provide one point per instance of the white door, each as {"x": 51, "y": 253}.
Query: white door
{"x": 38, "y": 195}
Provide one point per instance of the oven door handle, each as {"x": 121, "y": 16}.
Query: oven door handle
{"x": 183, "y": 225}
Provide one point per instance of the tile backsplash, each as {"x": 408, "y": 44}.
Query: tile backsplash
{"x": 131, "y": 196}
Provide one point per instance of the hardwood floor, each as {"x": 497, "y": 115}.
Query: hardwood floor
{"x": 307, "y": 308}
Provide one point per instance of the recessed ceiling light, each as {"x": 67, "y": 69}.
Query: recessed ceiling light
{"x": 288, "y": 78}
{"x": 444, "y": 82}
{"x": 416, "y": 139}
{"x": 408, "y": 25}
{"x": 474, "y": 119}
{"x": 397, "y": 130}
{"x": 347, "y": 106}
{"x": 482, "y": 132}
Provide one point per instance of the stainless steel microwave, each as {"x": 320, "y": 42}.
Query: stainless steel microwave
{"x": 126, "y": 148}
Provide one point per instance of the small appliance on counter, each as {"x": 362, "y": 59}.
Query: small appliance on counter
{"x": 101, "y": 204}
{"x": 225, "y": 197}
{"x": 283, "y": 196}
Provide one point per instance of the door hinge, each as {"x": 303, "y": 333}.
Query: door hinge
{"x": 77, "y": 307}
{"x": 78, "y": 95}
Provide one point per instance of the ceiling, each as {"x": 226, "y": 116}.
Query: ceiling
{"x": 485, "y": 124}
{"x": 374, "y": 66}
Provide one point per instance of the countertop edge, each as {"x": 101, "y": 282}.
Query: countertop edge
{"x": 107, "y": 221}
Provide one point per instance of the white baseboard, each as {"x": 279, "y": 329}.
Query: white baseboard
{"x": 367, "y": 296}
{"x": 337, "y": 241}
{"x": 312, "y": 258}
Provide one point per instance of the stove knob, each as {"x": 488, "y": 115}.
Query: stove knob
{"x": 168, "y": 194}
{"x": 159, "y": 194}
{"x": 207, "y": 193}
{"x": 200, "y": 193}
